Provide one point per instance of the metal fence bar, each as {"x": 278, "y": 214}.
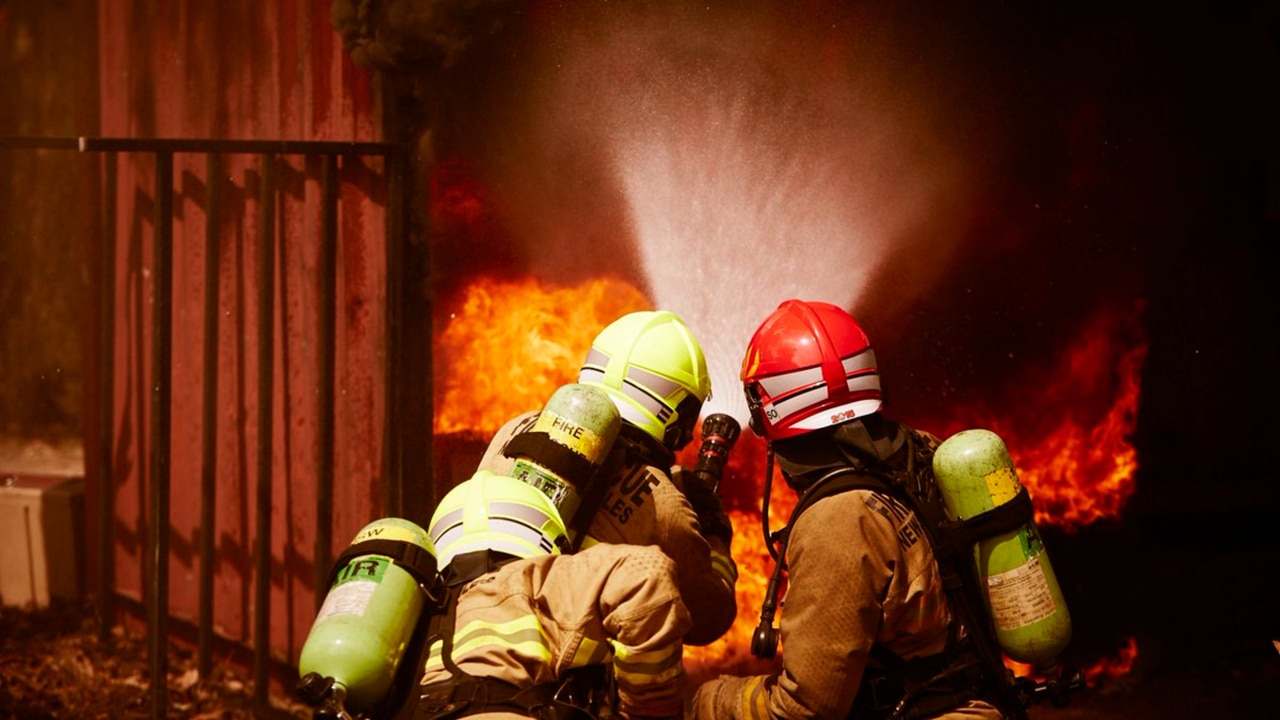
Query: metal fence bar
{"x": 161, "y": 369}
{"x": 409, "y": 486}
{"x": 399, "y": 499}
{"x": 209, "y": 410}
{"x": 39, "y": 143}
{"x": 106, "y": 400}
{"x": 266, "y": 340}
{"x": 250, "y": 147}
{"x": 327, "y": 325}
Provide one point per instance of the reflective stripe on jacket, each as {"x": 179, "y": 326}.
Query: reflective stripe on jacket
{"x": 644, "y": 507}
{"x": 531, "y": 621}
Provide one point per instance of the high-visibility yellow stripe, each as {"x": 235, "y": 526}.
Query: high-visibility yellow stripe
{"x": 755, "y": 701}
{"x": 522, "y": 636}
{"x": 591, "y": 652}
{"x": 647, "y": 668}
{"x": 724, "y": 566}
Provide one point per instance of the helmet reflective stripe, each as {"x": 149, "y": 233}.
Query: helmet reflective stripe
{"x": 832, "y": 416}
{"x": 442, "y": 524}
{"x": 657, "y": 407}
{"x": 804, "y": 379}
{"x": 809, "y": 365}
{"x": 651, "y": 362}
{"x": 508, "y": 536}
{"x": 788, "y": 395}
{"x": 495, "y": 512}
{"x": 650, "y": 389}
{"x": 530, "y": 515}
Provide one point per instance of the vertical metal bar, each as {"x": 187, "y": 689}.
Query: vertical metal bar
{"x": 106, "y": 409}
{"x": 393, "y": 446}
{"x": 161, "y": 333}
{"x": 266, "y": 341}
{"x": 410, "y": 482}
{"x": 209, "y": 410}
{"x": 328, "y": 297}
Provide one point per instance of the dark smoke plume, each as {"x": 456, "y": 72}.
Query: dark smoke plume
{"x": 403, "y": 35}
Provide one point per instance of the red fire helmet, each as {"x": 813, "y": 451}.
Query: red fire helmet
{"x": 808, "y": 366}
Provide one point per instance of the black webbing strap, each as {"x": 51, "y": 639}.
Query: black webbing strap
{"x": 464, "y": 694}
{"x": 415, "y": 559}
{"x": 571, "y": 466}
{"x": 1006, "y": 517}
{"x": 952, "y": 543}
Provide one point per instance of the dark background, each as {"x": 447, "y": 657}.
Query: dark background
{"x": 1139, "y": 159}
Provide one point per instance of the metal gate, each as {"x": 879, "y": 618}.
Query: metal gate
{"x": 159, "y": 491}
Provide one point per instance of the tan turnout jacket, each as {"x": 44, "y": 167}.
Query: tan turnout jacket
{"x": 860, "y": 570}
{"x": 644, "y": 506}
{"x": 530, "y": 621}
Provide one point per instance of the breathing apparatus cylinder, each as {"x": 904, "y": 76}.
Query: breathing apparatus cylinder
{"x": 368, "y": 618}
{"x": 568, "y": 442}
{"x": 976, "y": 476}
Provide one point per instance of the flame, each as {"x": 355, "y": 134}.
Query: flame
{"x": 1071, "y": 445}
{"x": 512, "y": 343}
{"x": 1113, "y": 667}
{"x": 1108, "y": 668}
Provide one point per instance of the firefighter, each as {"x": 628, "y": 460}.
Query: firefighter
{"x": 524, "y": 626}
{"x": 654, "y": 370}
{"x": 868, "y": 630}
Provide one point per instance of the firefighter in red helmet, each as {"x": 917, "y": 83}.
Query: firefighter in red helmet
{"x": 868, "y": 629}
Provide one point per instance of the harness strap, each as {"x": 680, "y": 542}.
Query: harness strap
{"x": 571, "y": 466}
{"x": 968, "y": 668}
{"x": 415, "y": 559}
{"x": 464, "y": 694}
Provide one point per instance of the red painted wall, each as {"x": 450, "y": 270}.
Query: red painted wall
{"x": 261, "y": 70}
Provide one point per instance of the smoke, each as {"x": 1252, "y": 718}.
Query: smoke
{"x": 728, "y": 157}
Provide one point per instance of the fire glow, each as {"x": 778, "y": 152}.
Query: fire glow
{"x": 510, "y": 344}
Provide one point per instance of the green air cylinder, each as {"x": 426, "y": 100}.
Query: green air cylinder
{"x": 368, "y": 618}
{"x": 976, "y": 474}
{"x": 570, "y": 439}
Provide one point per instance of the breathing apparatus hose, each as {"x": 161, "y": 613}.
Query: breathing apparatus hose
{"x": 764, "y": 641}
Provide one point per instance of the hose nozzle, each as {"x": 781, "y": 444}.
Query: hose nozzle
{"x": 719, "y": 433}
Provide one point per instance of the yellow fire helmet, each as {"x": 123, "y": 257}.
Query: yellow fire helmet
{"x": 654, "y": 370}
{"x": 497, "y": 513}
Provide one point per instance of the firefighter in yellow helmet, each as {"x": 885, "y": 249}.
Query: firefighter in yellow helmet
{"x": 652, "y": 367}
{"x": 868, "y": 630}
{"x": 521, "y": 618}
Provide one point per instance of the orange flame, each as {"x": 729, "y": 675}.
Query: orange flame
{"x": 1108, "y": 668}
{"x": 1113, "y": 667}
{"x": 512, "y": 343}
{"x": 1071, "y": 446}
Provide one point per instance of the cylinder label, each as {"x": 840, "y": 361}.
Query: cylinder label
{"x": 350, "y": 598}
{"x": 1021, "y": 596}
{"x": 578, "y": 438}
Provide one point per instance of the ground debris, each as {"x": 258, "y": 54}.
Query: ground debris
{"x": 55, "y": 668}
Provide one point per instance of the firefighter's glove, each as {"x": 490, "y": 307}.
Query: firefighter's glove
{"x": 709, "y": 509}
